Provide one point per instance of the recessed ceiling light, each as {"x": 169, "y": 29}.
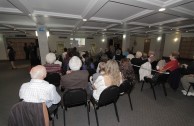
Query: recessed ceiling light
{"x": 84, "y": 19}
{"x": 30, "y": 14}
{"x": 187, "y": 31}
{"x": 171, "y": 29}
{"x": 162, "y": 9}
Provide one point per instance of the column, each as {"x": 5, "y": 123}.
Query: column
{"x": 3, "y": 48}
{"x": 125, "y": 42}
{"x": 43, "y": 42}
{"x": 161, "y": 50}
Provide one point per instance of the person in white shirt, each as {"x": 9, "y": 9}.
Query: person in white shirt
{"x": 38, "y": 90}
{"x": 112, "y": 76}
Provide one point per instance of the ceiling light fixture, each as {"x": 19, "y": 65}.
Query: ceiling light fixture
{"x": 84, "y": 19}
{"x": 162, "y": 9}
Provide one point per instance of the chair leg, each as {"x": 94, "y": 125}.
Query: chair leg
{"x": 153, "y": 90}
{"x": 142, "y": 85}
{"x": 53, "y": 122}
{"x": 130, "y": 101}
{"x": 64, "y": 115}
{"x": 164, "y": 88}
{"x": 188, "y": 89}
{"x": 88, "y": 115}
{"x": 116, "y": 111}
{"x": 96, "y": 116}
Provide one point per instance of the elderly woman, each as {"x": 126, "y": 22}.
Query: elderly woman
{"x": 112, "y": 76}
{"x": 52, "y": 65}
{"x": 172, "y": 64}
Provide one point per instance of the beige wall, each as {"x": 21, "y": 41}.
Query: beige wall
{"x": 54, "y": 40}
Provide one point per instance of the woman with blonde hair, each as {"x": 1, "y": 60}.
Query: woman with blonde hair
{"x": 112, "y": 76}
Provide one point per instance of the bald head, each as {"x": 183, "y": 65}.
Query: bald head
{"x": 38, "y": 72}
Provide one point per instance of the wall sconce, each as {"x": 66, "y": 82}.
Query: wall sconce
{"x": 175, "y": 39}
{"x": 124, "y": 36}
{"x": 159, "y": 38}
{"x": 103, "y": 40}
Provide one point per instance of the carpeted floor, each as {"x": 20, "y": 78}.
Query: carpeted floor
{"x": 173, "y": 110}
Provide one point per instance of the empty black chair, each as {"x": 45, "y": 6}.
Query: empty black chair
{"x": 156, "y": 80}
{"x": 53, "y": 78}
{"x": 191, "y": 84}
{"x": 108, "y": 96}
{"x": 75, "y": 97}
{"x": 126, "y": 87}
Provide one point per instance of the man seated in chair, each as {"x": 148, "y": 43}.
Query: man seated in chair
{"x": 74, "y": 78}
{"x": 38, "y": 90}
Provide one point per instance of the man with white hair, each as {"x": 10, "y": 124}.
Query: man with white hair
{"x": 38, "y": 90}
{"x": 75, "y": 78}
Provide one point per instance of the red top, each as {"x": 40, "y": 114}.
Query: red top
{"x": 171, "y": 65}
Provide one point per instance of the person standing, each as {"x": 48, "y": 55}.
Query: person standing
{"x": 26, "y": 50}
{"x": 11, "y": 54}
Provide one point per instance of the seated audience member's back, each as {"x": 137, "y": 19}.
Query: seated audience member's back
{"x": 38, "y": 90}
{"x": 75, "y": 78}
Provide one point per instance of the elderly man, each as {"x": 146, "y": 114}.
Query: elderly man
{"x": 38, "y": 90}
{"x": 75, "y": 78}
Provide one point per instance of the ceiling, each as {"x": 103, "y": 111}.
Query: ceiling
{"x": 108, "y": 17}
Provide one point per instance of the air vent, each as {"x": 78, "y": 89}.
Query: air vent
{"x": 89, "y": 38}
{"x": 20, "y": 35}
{"x": 62, "y": 37}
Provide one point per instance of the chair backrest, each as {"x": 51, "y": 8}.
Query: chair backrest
{"x": 109, "y": 95}
{"x": 28, "y": 114}
{"x": 74, "y": 97}
{"x": 126, "y": 86}
{"x": 53, "y": 78}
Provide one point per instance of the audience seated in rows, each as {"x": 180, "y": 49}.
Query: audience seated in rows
{"x": 38, "y": 90}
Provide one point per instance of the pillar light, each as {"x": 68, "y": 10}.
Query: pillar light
{"x": 36, "y": 33}
{"x": 47, "y": 33}
{"x": 175, "y": 39}
{"x": 124, "y": 36}
{"x": 159, "y": 38}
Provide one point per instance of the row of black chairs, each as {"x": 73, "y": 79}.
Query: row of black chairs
{"x": 77, "y": 97}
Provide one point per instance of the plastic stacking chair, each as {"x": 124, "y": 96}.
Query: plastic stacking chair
{"x": 75, "y": 97}
{"x": 126, "y": 87}
{"x": 28, "y": 114}
{"x": 108, "y": 96}
{"x": 191, "y": 84}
